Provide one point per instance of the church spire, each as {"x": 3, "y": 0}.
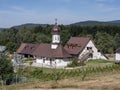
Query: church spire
{"x": 55, "y": 35}
{"x": 55, "y": 21}
{"x": 56, "y": 29}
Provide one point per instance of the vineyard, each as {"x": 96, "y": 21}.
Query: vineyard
{"x": 89, "y": 72}
{"x": 91, "y": 67}
{"x": 82, "y": 73}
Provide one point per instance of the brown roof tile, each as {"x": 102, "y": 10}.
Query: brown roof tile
{"x": 118, "y": 50}
{"x": 27, "y": 48}
{"x": 60, "y": 52}
{"x": 20, "y": 49}
{"x": 76, "y": 44}
{"x": 44, "y": 50}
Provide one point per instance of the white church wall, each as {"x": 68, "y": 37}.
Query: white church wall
{"x": 39, "y": 60}
{"x": 62, "y": 62}
{"x": 54, "y": 63}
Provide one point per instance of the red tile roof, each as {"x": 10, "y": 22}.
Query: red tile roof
{"x": 75, "y": 45}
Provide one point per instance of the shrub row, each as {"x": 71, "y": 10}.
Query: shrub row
{"x": 73, "y": 73}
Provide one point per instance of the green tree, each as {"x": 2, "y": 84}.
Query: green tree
{"x": 105, "y": 42}
{"x": 6, "y": 68}
{"x": 11, "y": 47}
{"x": 65, "y": 35}
{"x": 42, "y": 38}
{"x": 117, "y": 41}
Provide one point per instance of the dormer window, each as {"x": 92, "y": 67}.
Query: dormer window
{"x": 26, "y": 47}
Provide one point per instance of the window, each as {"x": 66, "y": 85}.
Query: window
{"x": 98, "y": 50}
{"x": 88, "y": 48}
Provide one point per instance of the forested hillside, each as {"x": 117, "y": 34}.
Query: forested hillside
{"x": 106, "y": 37}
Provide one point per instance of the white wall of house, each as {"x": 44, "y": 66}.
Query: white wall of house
{"x": 53, "y": 63}
{"x": 117, "y": 56}
{"x": 96, "y": 54}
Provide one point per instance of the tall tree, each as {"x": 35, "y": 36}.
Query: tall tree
{"x": 117, "y": 41}
{"x": 104, "y": 42}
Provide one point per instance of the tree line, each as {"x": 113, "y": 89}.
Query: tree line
{"x": 106, "y": 37}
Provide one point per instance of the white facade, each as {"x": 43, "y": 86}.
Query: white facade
{"x": 55, "y": 41}
{"x": 96, "y": 54}
{"x": 47, "y": 62}
{"x": 54, "y": 46}
{"x": 117, "y": 56}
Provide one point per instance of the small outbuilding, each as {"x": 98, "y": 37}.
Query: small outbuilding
{"x": 117, "y": 55}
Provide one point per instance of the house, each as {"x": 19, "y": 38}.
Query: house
{"x": 54, "y": 54}
{"x": 117, "y": 55}
{"x": 83, "y": 48}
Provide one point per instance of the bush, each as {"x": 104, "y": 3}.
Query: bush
{"x": 75, "y": 64}
{"x": 99, "y": 61}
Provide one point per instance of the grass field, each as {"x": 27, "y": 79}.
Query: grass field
{"x": 105, "y": 81}
{"x": 100, "y": 80}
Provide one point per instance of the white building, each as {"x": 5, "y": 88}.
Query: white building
{"x": 83, "y": 48}
{"x": 55, "y": 55}
{"x": 48, "y": 55}
{"x": 117, "y": 55}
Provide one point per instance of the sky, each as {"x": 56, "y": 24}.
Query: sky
{"x": 17, "y": 12}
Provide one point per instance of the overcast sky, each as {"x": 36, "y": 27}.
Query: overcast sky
{"x": 16, "y": 12}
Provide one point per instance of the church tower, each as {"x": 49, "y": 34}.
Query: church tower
{"x": 55, "y": 36}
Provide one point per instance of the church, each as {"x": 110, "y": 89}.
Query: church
{"x": 55, "y": 55}
{"x": 52, "y": 54}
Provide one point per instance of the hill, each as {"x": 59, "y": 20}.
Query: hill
{"x": 92, "y": 23}
{"x": 28, "y": 25}
{"x": 82, "y": 23}
{"x": 2, "y": 29}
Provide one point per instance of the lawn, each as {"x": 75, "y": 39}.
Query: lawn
{"x": 99, "y": 63}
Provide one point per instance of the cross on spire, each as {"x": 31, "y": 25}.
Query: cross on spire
{"x": 55, "y": 21}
